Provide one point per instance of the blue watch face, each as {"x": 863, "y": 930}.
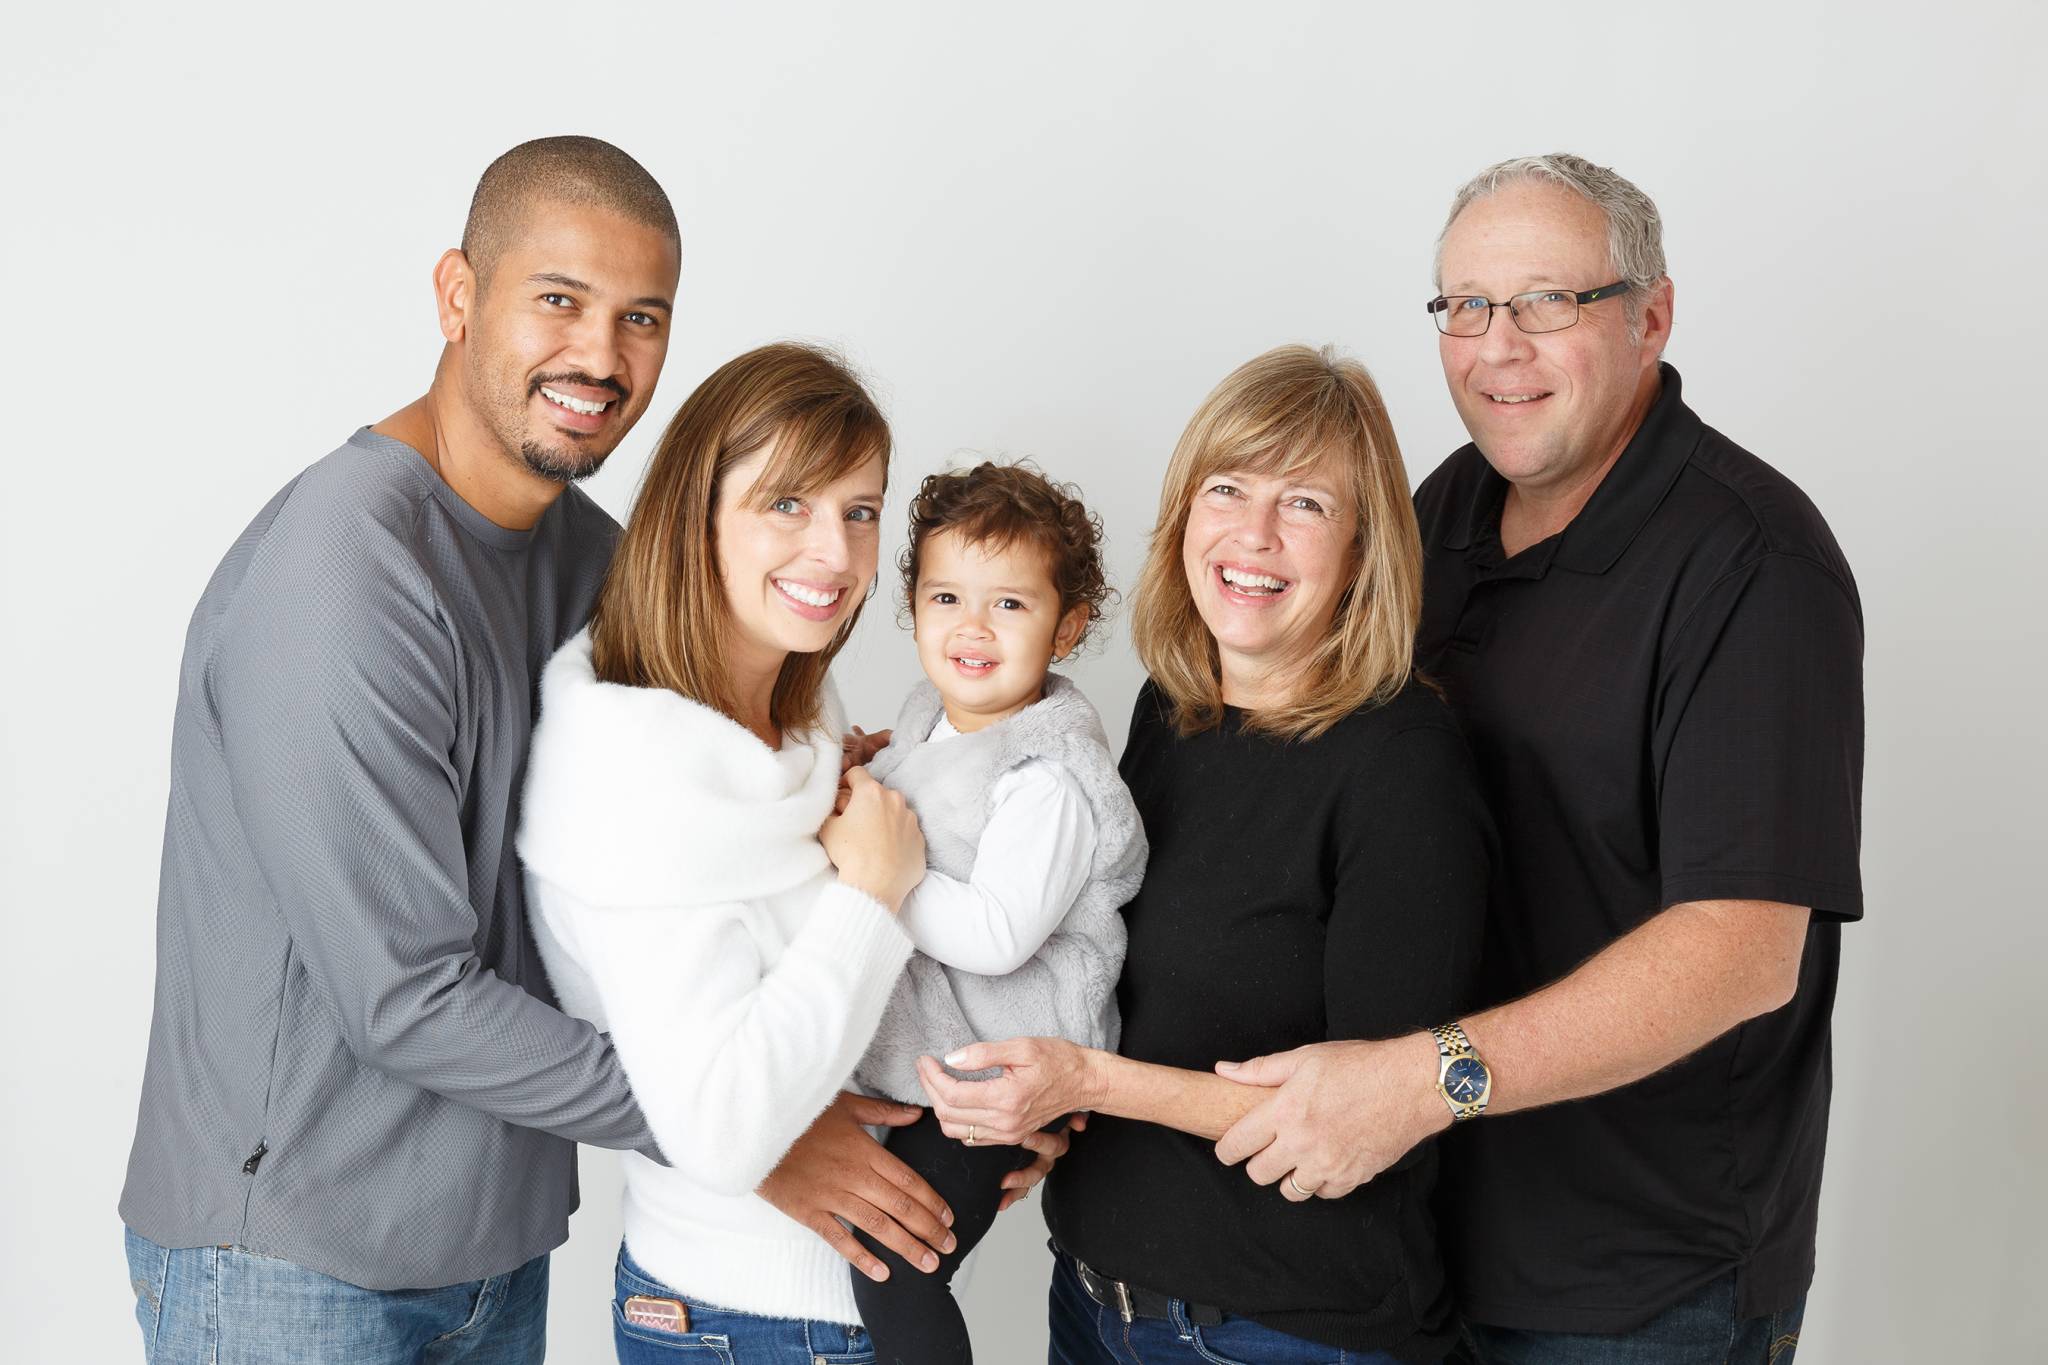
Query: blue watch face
{"x": 1465, "y": 1080}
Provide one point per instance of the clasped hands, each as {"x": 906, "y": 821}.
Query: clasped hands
{"x": 857, "y": 748}
{"x": 1339, "y": 1113}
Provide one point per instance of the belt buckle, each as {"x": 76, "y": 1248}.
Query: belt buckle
{"x": 1123, "y": 1292}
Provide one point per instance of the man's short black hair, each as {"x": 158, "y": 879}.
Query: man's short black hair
{"x": 574, "y": 170}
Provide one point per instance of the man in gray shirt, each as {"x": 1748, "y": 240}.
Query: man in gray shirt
{"x": 357, "y": 1082}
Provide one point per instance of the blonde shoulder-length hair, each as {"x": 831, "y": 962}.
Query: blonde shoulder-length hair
{"x": 661, "y": 618}
{"x": 1288, "y": 411}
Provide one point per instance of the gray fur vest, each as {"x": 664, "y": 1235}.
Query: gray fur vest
{"x": 1068, "y": 988}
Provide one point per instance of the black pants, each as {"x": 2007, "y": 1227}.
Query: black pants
{"x": 911, "y": 1316}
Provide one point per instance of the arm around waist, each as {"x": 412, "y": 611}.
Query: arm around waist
{"x": 733, "y": 1050}
{"x": 330, "y": 692}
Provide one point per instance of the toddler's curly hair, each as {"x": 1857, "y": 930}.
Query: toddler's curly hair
{"x": 1001, "y": 504}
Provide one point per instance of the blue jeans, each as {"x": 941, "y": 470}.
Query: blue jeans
{"x": 719, "y": 1336}
{"x": 1086, "y": 1333}
{"x": 1701, "y": 1330}
{"x": 227, "y": 1306}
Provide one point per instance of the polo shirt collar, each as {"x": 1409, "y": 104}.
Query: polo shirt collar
{"x": 1619, "y": 508}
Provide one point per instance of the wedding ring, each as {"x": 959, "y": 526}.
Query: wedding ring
{"x": 973, "y": 1131}
{"x": 1296, "y": 1184}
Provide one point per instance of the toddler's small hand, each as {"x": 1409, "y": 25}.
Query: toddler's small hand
{"x": 859, "y": 747}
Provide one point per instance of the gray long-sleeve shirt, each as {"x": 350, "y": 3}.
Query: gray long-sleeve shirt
{"x": 345, "y": 981}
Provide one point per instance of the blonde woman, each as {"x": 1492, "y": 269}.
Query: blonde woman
{"x": 693, "y": 893}
{"x": 1319, "y": 862}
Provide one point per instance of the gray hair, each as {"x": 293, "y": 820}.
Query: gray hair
{"x": 1635, "y": 231}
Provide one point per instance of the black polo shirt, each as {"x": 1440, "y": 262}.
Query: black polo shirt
{"x": 1665, "y": 702}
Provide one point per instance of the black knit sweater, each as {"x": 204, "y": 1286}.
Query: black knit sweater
{"x": 1297, "y": 892}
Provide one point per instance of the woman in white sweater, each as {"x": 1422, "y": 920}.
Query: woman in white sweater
{"x": 693, "y": 894}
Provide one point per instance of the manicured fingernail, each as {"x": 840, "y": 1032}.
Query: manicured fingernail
{"x": 878, "y": 1273}
{"x": 930, "y": 1262}
{"x": 951, "y": 1243}
{"x": 953, "y": 1058}
{"x": 947, "y": 1217}
{"x": 1226, "y": 1066}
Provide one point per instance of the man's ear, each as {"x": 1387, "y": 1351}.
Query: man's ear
{"x": 1068, "y": 633}
{"x": 1657, "y": 322}
{"x": 455, "y": 290}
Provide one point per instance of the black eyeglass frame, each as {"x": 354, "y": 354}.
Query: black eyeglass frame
{"x": 1442, "y": 304}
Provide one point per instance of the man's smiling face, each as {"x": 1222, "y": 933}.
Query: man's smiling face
{"x": 565, "y": 340}
{"x": 1546, "y": 409}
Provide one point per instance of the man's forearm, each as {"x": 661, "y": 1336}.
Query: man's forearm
{"x": 435, "y": 1027}
{"x": 1659, "y": 993}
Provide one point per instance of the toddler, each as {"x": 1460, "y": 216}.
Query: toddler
{"x": 1032, "y": 843}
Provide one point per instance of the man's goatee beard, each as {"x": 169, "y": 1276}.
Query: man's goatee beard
{"x": 560, "y": 467}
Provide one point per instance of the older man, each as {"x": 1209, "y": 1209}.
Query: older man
{"x": 1655, "y": 646}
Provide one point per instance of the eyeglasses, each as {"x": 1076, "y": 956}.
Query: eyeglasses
{"x": 1539, "y": 310}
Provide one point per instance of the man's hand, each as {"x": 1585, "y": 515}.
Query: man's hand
{"x": 1049, "y": 1147}
{"x": 835, "y": 1170}
{"x": 1340, "y": 1113}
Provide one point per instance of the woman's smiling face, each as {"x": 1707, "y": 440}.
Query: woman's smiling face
{"x": 1268, "y": 558}
{"x": 794, "y": 565}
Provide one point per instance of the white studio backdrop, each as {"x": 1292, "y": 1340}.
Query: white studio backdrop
{"x": 1044, "y": 231}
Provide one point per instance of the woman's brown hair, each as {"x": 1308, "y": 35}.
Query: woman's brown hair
{"x": 661, "y": 618}
{"x": 1286, "y": 412}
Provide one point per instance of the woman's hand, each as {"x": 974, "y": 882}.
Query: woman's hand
{"x": 1042, "y": 1079}
{"x": 874, "y": 841}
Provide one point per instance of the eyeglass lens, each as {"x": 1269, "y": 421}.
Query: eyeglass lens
{"x": 1542, "y": 310}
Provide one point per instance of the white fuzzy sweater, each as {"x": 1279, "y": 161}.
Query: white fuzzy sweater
{"x": 682, "y": 903}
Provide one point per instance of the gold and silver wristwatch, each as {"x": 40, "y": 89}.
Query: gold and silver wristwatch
{"x": 1461, "y": 1078}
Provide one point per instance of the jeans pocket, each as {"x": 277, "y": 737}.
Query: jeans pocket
{"x": 639, "y": 1345}
{"x": 1240, "y": 1341}
{"x": 1206, "y": 1349}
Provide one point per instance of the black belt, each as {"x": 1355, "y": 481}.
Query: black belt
{"x": 1133, "y": 1302}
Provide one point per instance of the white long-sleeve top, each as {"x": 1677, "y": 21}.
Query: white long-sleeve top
{"x": 1031, "y": 861}
{"x": 682, "y": 903}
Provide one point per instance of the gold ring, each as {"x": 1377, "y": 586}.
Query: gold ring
{"x": 972, "y": 1130}
{"x": 1305, "y": 1194}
